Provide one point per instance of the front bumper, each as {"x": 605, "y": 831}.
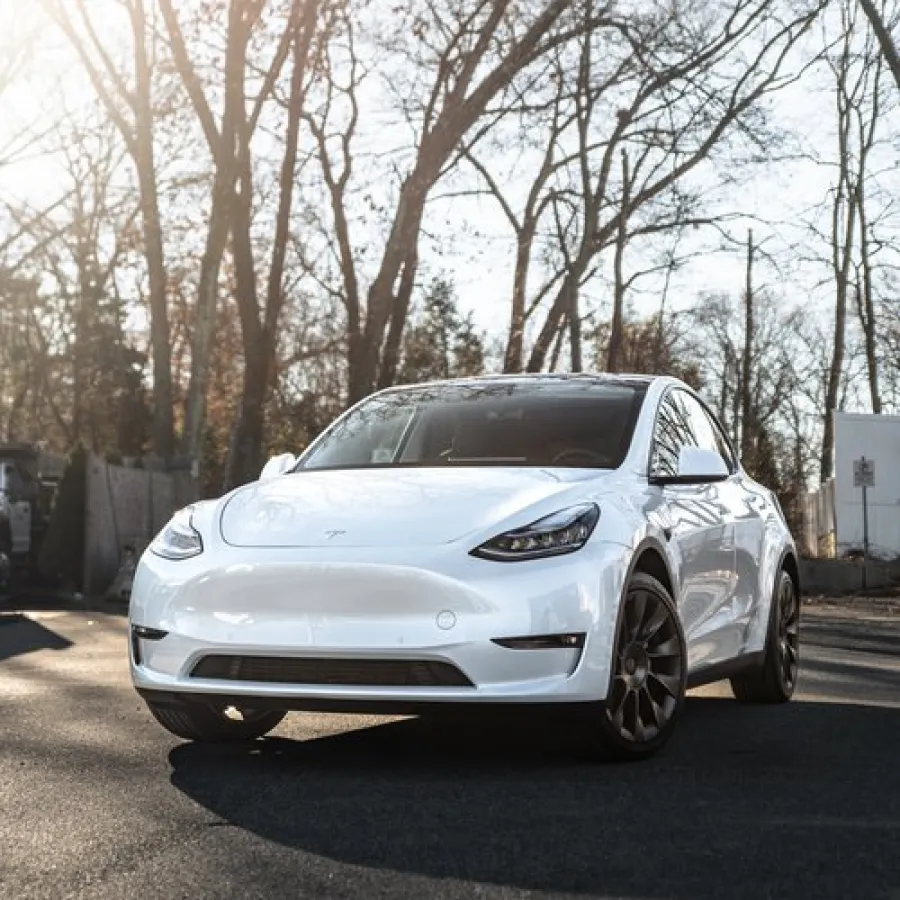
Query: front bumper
{"x": 278, "y": 604}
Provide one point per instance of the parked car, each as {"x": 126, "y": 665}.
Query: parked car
{"x": 19, "y": 499}
{"x": 585, "y": 541}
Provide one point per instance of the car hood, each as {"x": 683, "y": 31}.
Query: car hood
{"x": 390, "y": 507}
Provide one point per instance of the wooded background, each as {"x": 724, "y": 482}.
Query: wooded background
{"x": 221, "y": 221}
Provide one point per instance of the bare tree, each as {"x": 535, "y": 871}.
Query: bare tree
{"x": 616, "y": 334}
{"x": 676, "y": 115}
{"x": 751, "y": 404}
{"x": 867, "y": 114}
{"x": 856, "y": 78}
{"x": 748, "y": 426}
{"x": 875, "y": 13}
{"x": 127, "y": 97}
{"x": 541, "y": 198}
{"x": 230, "y": 145}
{"x": 481, "y": 50}
{"x": 79, "y": 373}
{"x": 260, "y": 331}
{"x": 19, "y": 32}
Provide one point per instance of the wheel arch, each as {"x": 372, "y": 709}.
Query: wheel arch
{"x": 791, "y": 565}
{"x": 650, "y": 557}
{"x": 778, "y": 561}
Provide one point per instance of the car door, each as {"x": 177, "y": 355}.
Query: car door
{"x": 19, "y": 510}
{"x": 727, "y": 628}
{"x": 699, "y": 520}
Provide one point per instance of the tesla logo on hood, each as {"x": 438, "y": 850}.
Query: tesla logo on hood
{"x": 333, "y": 534}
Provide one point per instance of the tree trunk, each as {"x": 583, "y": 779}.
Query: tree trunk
{"x": 515, "y": 347}
{"x": 247, "y": 433}
{"x": 160, "y": 341}
{"x": 575, "y": 333}
{"x": 865, "y": 291}
{"x": 736, "y": 401}
{"x": 246, "y": 448}
{"x": 835, "y": 371}
{"x": 463, "y": 105}
{"x": 163, "y": 440}
{"x": 885, "y": 41}
{"x": 845, "y": 204}
{"x": 616, "y": 336}
{"x": 391, "y": 352}
{"x": 866, "y": 309}
{"x": 401, "y": 245}
{"x": 557, "y": 346}
{"x": 723, "y": 393}
{"x": 205, "y": 315}
{"x": 561, "y": 306}
{"x": 748, "y": 431}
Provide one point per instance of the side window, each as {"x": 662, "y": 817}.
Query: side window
{"x": 723, "y": 443}
{"x": 709, "y": 435}
{"x": 674, "y": 430}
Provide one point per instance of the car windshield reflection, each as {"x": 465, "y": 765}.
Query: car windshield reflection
{"x": 579, "y": 424}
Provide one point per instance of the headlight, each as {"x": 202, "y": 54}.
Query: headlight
{"x": 179, "y": 539}
{"x": 561, "y": 532}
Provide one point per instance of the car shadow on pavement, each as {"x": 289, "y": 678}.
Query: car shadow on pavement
{"x": 19, "y": 634}
{"x": 44, "y": 600}
{"x": 799, "y": 800}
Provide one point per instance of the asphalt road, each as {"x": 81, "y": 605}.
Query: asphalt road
{"x": 97, "y": 801}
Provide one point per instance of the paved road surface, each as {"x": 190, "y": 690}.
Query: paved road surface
{"x": 97, "y": 801}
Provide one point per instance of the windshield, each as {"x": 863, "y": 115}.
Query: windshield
{"x": 586, "y": 424}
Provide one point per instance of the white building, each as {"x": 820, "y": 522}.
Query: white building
{"x": 834, "y": 513}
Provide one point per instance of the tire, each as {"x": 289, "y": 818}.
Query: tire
{"x": 207, "y": 724}
{"x": 776, "y": 679}
{"x": 648, "y": 679}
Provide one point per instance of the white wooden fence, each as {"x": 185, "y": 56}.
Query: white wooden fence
{"x": 124, "y": 509}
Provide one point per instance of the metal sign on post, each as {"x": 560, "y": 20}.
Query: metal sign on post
{"x": 863, "y": 472}
{"x": 864, "y": 477}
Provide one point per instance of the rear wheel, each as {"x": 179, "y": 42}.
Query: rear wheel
{"x": 649, "y": 675}
{"x": 776, "y": 679}
{"x": 207, "y": 723}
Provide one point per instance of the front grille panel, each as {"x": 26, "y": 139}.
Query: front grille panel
{"x": 343, "y": 672}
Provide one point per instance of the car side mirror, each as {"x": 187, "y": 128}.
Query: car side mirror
{"x": 696, "y": 465}
{"x": 278, "y": 465}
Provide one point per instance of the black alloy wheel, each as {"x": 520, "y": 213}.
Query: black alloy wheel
{"x": 776, "y": 679}
{"x": 649, "y": 673}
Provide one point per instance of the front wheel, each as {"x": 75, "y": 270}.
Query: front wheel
{"x": 649, "y": 675}
{"x": 210, "y": 724}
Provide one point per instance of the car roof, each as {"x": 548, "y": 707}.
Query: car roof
{"x": 609, "y": 378}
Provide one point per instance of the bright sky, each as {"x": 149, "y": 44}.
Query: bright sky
{"x": 478, "y": 251}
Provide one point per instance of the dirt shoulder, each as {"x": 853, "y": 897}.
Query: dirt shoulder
{"x": 854, "y": 606}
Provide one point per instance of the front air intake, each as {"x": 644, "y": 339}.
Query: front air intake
{"x": 338, "y": 672}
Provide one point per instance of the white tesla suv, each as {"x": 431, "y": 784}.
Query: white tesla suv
{"x": 587, "y": 540}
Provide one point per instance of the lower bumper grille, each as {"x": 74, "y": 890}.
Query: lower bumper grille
{"x": 343, "y": 672}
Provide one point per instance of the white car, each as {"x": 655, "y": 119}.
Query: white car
{"x": 587, "y": 540}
